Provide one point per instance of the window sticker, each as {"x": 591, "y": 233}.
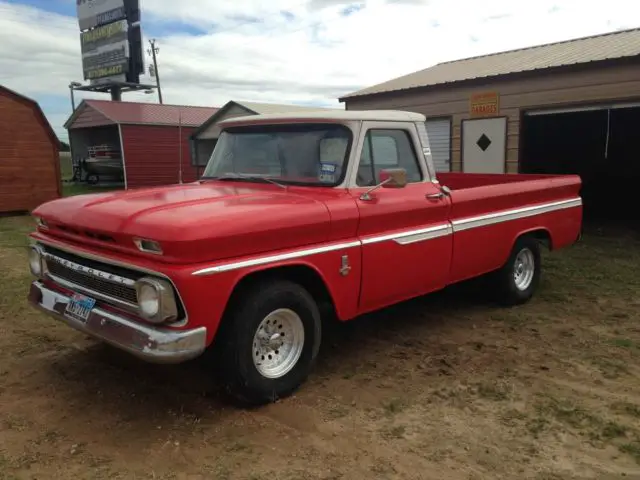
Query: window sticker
{"x": 328, "y": 172}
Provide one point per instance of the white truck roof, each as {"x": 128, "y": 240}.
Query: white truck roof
{"x": 330, "y": 115}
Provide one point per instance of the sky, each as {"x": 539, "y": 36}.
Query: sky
{"x": 306, "y": 52}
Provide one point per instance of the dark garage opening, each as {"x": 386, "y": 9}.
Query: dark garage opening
{"x": 602, "y": 146}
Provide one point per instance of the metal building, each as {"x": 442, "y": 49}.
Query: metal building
{"x": 204, "y": 138}
{"x": 29, "y": 154}
{"x": 138, "y": 144}
{"x": 566, "y": 107}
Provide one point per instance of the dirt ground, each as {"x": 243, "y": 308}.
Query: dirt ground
{"x": 443, "y": 387}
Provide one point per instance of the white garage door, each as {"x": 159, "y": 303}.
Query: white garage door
{"x": 439, "y": 132}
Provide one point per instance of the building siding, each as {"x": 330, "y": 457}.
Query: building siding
{"x": 213, "y": 131}
{"x": 584, "y": 85}
{"x": 29, "y": 159}
{"x": 152, "y": 155}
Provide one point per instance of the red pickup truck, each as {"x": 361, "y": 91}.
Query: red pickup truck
{"x": 293, "y": 213}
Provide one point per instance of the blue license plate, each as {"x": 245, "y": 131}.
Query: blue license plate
{"x": 79, "y": 308}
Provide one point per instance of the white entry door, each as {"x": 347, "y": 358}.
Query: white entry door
{"x": 483, "y": 145}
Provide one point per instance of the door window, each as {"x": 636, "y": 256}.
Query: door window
{"x": 387, "y": 148}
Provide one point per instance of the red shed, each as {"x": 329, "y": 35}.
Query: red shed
{"x": 138, "y": 144}
{"x": 29, "y": 154}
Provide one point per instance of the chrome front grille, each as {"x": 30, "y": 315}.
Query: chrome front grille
{"x": 101, "y": 284}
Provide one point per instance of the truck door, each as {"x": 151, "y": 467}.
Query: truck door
{"x": 405, "y": 232}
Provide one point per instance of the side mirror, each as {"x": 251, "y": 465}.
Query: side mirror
{"x": 389, "y": 178}
{"x": 393, "y": 178}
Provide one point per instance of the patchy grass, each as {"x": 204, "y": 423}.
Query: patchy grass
{"x": 393, "y": 406}
{"x": 493, "y": 391}
{"x": 72, "y": 189}
{"x": 66, "y": 166}
{"x": 626, "y": 408}
{"x": 449, "y": 385}
{"x": 624, "y": 343}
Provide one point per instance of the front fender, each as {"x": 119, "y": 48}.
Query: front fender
{"x": 207, "y": 291}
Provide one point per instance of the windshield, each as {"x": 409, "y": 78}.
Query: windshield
{"x": 307, "y": 154}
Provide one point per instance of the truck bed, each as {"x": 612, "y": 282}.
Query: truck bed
{"x": 459, "y": 181}
{"x": 505, "y": 207}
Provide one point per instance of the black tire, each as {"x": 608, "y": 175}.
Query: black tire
{"x": 93, "y": 179}
{"x": 508, "y": 291}
{"x": 242, "y": 379}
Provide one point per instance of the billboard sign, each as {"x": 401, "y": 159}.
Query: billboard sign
{"x": 110, "y": 40}
{"x": 107, "y": 61}
{"x": 105, "y": 50}
{"x": 104, "y": 36}
{"x": 93, "y": 13}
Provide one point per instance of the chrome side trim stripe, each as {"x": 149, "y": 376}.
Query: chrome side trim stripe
{"x": 428, "y": 234}
{"x": 226, "y": 267}
{"x": 403, "y": 238}
{"x": 412, "y": 236}
{"x": 493, "y": 218}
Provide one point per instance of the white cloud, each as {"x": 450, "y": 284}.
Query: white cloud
{"x": 298, "y": 51}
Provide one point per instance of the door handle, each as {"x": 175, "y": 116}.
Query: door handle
{"x": 435, "y": 196}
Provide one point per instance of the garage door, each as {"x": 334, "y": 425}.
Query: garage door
{"x": 439, "y": 132}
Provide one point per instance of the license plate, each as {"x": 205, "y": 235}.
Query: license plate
{"x": 80, "y": 307}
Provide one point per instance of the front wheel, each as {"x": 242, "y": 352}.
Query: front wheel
{"x": 270, "y": 342}
{"x": 518, "y": 279}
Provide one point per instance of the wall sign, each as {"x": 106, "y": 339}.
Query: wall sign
{"x": 484, "y": 104}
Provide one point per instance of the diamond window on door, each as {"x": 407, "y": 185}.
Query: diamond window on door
{"x": 483, "y": 142}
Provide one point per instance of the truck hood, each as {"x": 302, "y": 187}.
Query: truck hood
{"x": 193, "y": 222}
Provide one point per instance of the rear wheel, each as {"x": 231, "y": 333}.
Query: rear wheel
{"x": 270, "y": 342}
{"x": 518, "y": 279}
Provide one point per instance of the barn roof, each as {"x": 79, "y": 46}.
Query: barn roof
{"x": 608, "y": 46}
{"x": 39, "y": 113}
{"x": 138, "y": 113}
{"x": 257, "y": 108}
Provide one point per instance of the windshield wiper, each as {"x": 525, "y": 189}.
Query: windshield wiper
{"x": 240, "y": 176}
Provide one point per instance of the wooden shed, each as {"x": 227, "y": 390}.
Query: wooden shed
{"x": 29, "y": 154}
{"x": 144, "y": 144}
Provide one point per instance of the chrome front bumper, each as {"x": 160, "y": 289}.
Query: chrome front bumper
{"x": 156, "y": 345}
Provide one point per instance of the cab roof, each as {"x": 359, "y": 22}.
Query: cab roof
{"x": 327, "y": 115}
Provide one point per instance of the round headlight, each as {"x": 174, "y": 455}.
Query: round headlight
{"x": 35, "y": 262}
{"x": 149, "y": 300}
{"x": 156, "y": 301}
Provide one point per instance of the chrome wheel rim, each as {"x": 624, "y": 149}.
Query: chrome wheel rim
{"x": 278, "y": 343}
{"x": 524, "y": 269}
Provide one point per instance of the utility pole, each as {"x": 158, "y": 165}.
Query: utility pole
{"x": 153, "y": 51}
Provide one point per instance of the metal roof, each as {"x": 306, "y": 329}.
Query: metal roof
{"x": 260, "y": 108}
{"x": 329, "y": 115}
{"x": 612, "y": 45}
{"x": 135, "y": 113}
